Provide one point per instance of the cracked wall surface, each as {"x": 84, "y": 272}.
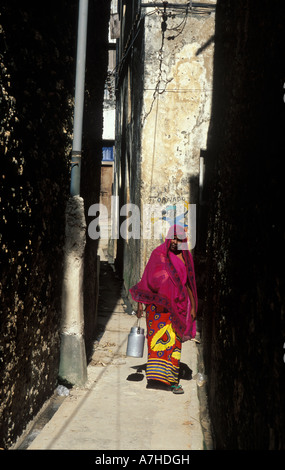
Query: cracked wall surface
{"x": 166, "y": 136}
{"x": 177, "y": 103}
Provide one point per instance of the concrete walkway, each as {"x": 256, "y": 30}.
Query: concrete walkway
{"x": 115, "y": 410}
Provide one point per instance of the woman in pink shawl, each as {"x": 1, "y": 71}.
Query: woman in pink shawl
{"x": 168, "y": 289}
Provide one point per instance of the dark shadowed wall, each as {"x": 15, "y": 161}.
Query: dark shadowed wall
{"x": 242, "y": 280}
{"x": 37, "y": 64}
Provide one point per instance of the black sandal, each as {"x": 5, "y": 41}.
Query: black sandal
{"x": 157, "y": 385}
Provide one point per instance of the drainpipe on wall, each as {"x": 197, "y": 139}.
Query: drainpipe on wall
{"x": 73, "y": 363}
{"x": 79, "y": 99}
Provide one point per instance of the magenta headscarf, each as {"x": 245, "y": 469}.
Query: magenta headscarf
{"x": 164, "y": 283}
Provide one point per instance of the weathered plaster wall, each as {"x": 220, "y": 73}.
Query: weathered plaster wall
{"x": 177, "y": 103}
{"x": 163, "y": 114}
{"x": 176, "y": 109}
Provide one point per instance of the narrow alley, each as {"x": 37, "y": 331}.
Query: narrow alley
{"x": 119, "y": 119}
{"x": 115, "y": 410}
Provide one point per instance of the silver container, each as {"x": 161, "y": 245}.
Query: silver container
{"x": 136, "y": 339}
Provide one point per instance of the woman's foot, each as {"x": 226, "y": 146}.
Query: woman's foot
{"x": 177, "y": 389}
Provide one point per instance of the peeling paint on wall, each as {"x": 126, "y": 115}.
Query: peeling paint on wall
{"x": 176, "y": 113}
{"x": 164, "y": 139}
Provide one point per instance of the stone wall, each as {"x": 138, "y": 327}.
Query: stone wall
{"x": 242, "y": 280}
{"x": 37, "y": 64}
{"x": 37, "y": 60}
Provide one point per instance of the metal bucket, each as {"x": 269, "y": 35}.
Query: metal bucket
{"x": 136, "y": 339}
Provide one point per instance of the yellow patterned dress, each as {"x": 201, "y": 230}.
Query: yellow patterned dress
{"x": 164, "y": 346}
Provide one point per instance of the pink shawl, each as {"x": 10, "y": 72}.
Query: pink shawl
{"x": 164, "y": 283}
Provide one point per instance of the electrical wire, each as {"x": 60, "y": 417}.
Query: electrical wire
{"x": 158, "y": 10}
{"x": 138, "y": 24}
{"x": 187, "y": 90}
